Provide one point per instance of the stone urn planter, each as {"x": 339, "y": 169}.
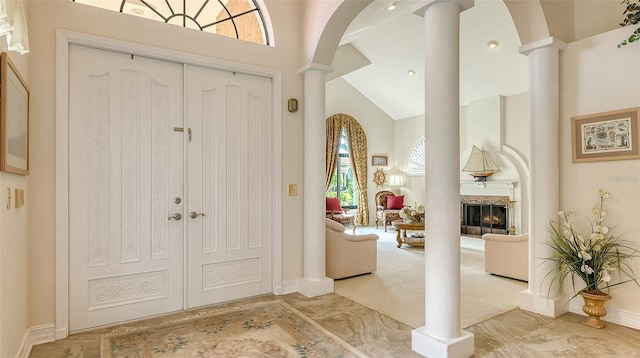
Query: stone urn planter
{"x": 594, "y": 307}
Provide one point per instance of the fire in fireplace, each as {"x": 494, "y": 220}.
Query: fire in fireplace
{"x": 484, "y": 214}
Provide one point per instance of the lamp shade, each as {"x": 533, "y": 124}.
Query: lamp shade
{"x": 396, "y": 180}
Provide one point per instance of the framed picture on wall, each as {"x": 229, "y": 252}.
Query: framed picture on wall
{"x": 379, "y": 160}
{"x": 14, "y": 119}
{"x": 606, "y": 136}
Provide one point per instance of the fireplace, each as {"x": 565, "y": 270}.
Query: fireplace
{"x": 484, "y": 214}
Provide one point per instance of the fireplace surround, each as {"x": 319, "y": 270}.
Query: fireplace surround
{"x": 484, "y": 214}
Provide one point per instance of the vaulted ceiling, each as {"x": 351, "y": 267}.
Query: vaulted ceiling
{"x": 381, "y": 46}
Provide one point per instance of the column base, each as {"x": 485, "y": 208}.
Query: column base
{"x": 547, "y": 306}
{"x": 315, "y": 287}
{"x": 432, "y": 347}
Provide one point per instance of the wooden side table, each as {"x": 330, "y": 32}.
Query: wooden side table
{"x": 401, "y": 229}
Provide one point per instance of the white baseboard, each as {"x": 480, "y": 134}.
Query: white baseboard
{"x": 614, "y": 315}
{"x": 290, "y": 287}
{"x": 287, "y": 288}
{"x": 33, "y": 336}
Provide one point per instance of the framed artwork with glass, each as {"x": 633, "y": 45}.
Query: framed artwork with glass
{"x": 605, "y": 136}
{"x": 379, "y": 160}
{"x": 14, "y": 119}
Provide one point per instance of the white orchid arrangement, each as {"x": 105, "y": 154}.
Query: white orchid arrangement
{"x": 412, "y": 214}
{"x": 592, "y": 257}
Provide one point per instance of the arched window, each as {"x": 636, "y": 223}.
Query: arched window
{"x": 242, "y": 19}
{"x": 415, "y": 163}
{"x": 346, "y": 164}
{"x": 343, "y": 184}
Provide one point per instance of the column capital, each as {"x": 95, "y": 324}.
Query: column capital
{"x": 315, "y": 66}
{"x": 549, "y": 42}
{"x": 421, "y": 6}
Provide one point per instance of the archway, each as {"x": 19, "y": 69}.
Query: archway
{"x": 533, "y": 31}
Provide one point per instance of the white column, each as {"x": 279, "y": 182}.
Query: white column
{"x": 441, "y": 335}
{"x": 544, "y": 171}
{"x": 314, "y": 283}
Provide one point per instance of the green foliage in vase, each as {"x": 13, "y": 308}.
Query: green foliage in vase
{"x": 593, "y": 257}
{"x": 631, "y": 17}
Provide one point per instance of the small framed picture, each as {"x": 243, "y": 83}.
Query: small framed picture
{"x": 379, "y": 160}
{"x": 606, "y": 136}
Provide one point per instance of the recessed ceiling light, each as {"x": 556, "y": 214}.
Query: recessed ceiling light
{"x": 137, "y": 11}
{"x": 411, "y": 73}
{"x": 392, "y": 6}
{"x": 493, "y": 44}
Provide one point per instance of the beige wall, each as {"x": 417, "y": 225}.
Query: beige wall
{"x": 598, "y": 77}
{"x": 14, "y": 255}
{"x": 516, "y": 127}
{"x": 47, "y": 16}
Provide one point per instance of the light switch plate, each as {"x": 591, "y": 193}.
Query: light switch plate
{"x": 19, "y": 197}
{"x": 292, "y": 190}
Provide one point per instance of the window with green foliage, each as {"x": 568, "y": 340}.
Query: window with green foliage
{"x": 342, "y": 183}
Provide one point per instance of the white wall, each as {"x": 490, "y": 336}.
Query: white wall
{"x": 14, "y": 256}
{"x": 341, "y": 97}
{"x": 516, "y": 125}
{"x": 47, "y": 16}
{"x": 598, "y": 77}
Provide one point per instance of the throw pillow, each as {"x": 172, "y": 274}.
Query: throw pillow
{"x": 333, "y": 204}
{"x": 395, "y": 202}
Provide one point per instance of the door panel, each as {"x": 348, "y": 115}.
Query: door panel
{"x": 127, "y": 138}
{"x": 230, "y": 176}
{"x": 126, "y": 258}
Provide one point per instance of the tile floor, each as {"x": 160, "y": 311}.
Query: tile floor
{"x": 516, "y": 333}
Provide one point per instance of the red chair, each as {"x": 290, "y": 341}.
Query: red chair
{"x": 335, "y": 212}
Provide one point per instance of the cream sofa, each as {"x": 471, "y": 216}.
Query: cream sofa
{"x": 507, "y": 255}
{"x": 349, "y": 255}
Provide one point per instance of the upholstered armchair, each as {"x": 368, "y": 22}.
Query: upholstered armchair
{"x": 334, "y": 212}
{"x": 507, "y": 255}
{"x": 388, "y": 210}
{"x": 349, "y": 255}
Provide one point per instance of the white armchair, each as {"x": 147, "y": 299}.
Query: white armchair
{"x": 507, "y": 255}
{"x": 349, "y": 255}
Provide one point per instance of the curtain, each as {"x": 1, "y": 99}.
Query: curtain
{"x": 357, "y": 142}
{"x": 13, "y": 27}
{"x": 334, "y": 128}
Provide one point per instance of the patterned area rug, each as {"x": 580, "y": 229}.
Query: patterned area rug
{"x": 268, "y": 329}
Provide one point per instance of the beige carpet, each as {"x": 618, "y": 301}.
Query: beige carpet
{"x": 396, "y": 289}
{"x": 267, "y": 329}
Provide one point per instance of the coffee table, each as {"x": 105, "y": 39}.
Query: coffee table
{"x": 401, "y": 237}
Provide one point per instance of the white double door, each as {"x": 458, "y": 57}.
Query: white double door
{"x": 170, "y": 181}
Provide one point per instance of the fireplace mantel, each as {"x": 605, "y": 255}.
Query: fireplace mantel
{"x": 488, "y": 188}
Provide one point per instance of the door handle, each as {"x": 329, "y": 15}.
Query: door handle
{"x": 194, "y": 215}
{"x": 176, "y": 217}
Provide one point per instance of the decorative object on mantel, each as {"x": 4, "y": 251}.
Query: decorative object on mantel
{"x": 631, "y": 17}
{"x": 592, "y": 258}
{"x": 480, "y": 165}
{"x": 379, "y": 177}
{"x": 412, "y": 214}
